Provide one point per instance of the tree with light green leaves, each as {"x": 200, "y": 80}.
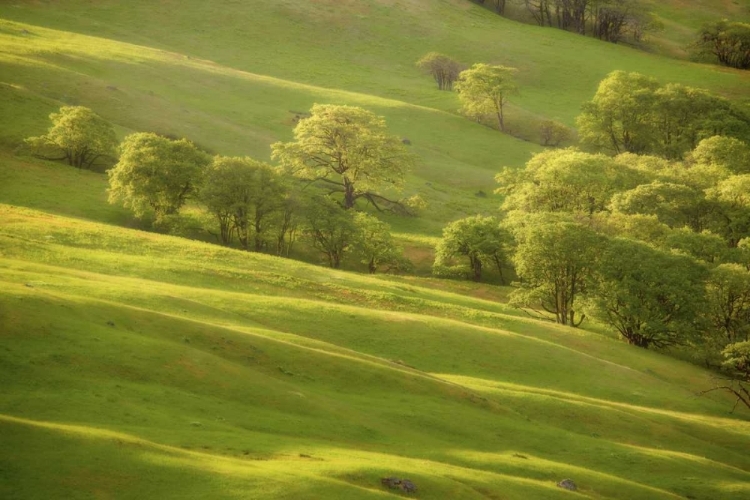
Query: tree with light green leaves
{"x": 479, "y": 239}
{"x": 632, "y": 113}
{"x": 704, "y": 246}
{"x": 732, "y": 196}
{"x": 727, "y": 152}
{"x": 374, "y": 243}
{"x": 78, "y": 136}
{"x": 727, "y": 41}
{"x": 156, "y": 174}
{"x": 618, "y": 118}
{"x": 243, "y": 194}
{"x": 651, "y": 297}
{"x": 565, "y": 180}
{"x": 348, "y": 151}
{"x": 555, "y": 263}
{"x": 675, "y": 205}
{"x": 484, "y": 89}
{"x": 553, "y": 133}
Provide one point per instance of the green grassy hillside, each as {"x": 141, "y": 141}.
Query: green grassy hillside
{"x": 136, "y": 365}
{"x": 232, "y": 76}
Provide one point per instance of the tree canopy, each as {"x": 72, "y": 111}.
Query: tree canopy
{"x": 348, "y": 150}
{"x": 78, "y": 136}
{"x": 243, "y": 194}
{"x": 480, "y": 239}
{"x": 649, "y": 296}
{"x": 484, "y": 89}
{"x": 728, "y": 42}
{"x": 443, "y": 69}
{"x": 633, "y": 113}
{"x": 156, "y": 173}
{"x": 555, "y": 262}
{"x": 565, "y": 180}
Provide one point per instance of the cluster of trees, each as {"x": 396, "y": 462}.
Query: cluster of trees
{"x": 339, "y": 155}
{"x": 610, "y": 20}
{"x": 483, "y": 91}
{"x": 658, "y": 250}
{"x": 727, "y": 42}
{"x": 632, "y": 113}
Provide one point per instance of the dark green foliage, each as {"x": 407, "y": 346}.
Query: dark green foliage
{"x": 244, "y": 196}
{"x": 728, "y": 42}
{"x": 330, "y": 228}
{"x": 479, "y": 239}
{"x": 649, "y": 296}
{"x": 555, "y": 262}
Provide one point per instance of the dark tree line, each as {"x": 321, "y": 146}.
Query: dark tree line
{"x": 728, "y": 42}
{"x": 609, "y": 20}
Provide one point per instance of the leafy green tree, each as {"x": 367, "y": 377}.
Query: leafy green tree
{"x": 244, "y": 195}
{"x": 727, "y": 304}
{"x": 555, "y": 263}
{"x": 348, "y": 150}
{"x": 618, "y": 118}
{"x": 484, "y": 89}
{"x": 632, "y": 113}
{"x": 443, "y": 69}
{"x": 732, "y": 196}
{"x": 156, "y": 173}
{"x": 706, "y": 246}
{"x": 374, "y": 243}
{"x": 287, "y": 220}
{"x": 480, "y": 239}
{"x": 331, "y": 229}
{"x": 565, "y": 180}
{"x": 78, "y": 135}
{"x": 675, "y": 205}
{"x": 680, "y": 116}
{"x": 641, "y": 227}
{"x": 728, "y": 42}
{"x": 727, "y": 152}
{"x": 553, "y": 133}
{"x": 649, "y": 296}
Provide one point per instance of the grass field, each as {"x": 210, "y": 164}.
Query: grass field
{"x": 142, "y": 365}
{"x": 137, "y": 365}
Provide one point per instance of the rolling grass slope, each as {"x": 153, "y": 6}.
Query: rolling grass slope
{"x": 137, "y": 365}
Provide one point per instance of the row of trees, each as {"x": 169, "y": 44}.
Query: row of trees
{"x": 610, "y": 20}
{"x": 340, "y": 156}
{"x": 632, "y": 113}
{"x": 345, "y": 151}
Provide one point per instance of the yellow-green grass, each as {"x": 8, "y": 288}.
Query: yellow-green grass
{"x": 232, "y": 75}
{"x": 138, "y": 365}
